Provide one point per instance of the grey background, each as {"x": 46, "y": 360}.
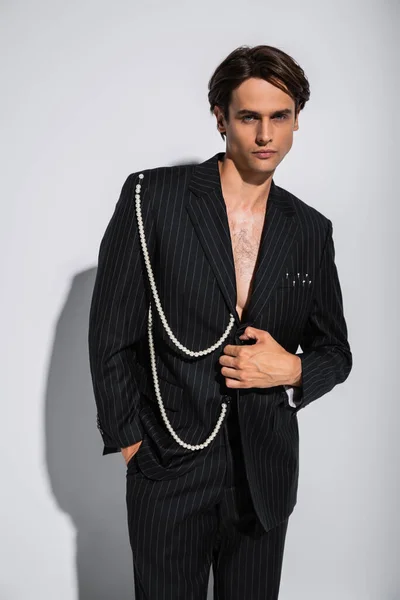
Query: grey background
{"x": 92, "y": 91}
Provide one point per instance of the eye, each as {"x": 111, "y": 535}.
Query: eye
{"x": 282, "y": 117}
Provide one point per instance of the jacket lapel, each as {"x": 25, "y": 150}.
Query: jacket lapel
{"x": 278, "y": 236}
{"x": 207, "y": 211}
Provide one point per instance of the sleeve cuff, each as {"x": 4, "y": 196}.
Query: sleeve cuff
{"x": 293, "y": 394}
{"x": 132, "y": 434}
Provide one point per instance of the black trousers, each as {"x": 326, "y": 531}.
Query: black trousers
{"x": 179, "y": 528}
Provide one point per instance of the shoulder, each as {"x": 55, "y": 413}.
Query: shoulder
{"x": 160, "y": 177}
{"x": 159, "y": 182}
{"x": 307, "y": 216}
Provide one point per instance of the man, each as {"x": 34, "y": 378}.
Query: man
{"x": 210, "y": 276}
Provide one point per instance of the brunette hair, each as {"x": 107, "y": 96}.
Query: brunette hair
{"x": 264, "y": 62}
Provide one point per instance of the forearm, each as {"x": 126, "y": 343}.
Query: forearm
{"x": 117, "y": 397}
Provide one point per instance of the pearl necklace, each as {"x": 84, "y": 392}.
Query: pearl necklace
{"x": 172, "y": 337}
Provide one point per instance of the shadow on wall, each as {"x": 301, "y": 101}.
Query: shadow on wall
{"x": 88, "y": 486}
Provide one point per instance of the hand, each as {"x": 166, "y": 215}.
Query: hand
{"x": 261, "y": 365}
{"x": 129, "y": 451}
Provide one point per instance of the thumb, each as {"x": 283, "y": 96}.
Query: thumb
{"x": 250, "y": 333}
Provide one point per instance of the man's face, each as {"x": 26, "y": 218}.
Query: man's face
{"x": 256, "y": 123}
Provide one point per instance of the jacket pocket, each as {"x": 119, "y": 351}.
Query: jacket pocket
{"x": 171, "y": 394}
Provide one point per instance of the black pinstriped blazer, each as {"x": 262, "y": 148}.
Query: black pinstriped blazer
{"x": 296, "y": 297}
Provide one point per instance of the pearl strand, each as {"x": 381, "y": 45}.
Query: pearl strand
{"x": 172, "y": 337}
{"x": 161, "y": 405}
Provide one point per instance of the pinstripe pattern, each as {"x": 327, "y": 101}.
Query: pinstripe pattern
{"x": 179, "y": 528}
{"x": 189, "y": 243}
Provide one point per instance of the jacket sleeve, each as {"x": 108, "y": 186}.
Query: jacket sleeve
{"x": 118, "y": 320}
{"x": 326, "y": 356}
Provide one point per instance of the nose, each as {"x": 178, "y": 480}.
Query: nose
{"x": 263, "y": 133}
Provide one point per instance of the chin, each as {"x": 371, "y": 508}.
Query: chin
{"x": 262, "y": 165}
{"x": 264, "y": 170}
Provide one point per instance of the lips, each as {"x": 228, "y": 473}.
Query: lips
{"x": 266, "y": 154}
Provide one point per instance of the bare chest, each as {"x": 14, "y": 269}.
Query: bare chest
{"x": 245, "y": 229}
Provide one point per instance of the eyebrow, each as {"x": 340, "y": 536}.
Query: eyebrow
{"x": 245, "y": 111}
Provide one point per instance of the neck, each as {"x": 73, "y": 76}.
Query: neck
{"x": 240, "y": 189}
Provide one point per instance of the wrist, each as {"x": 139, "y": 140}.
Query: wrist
{"x": 295, "y": 378}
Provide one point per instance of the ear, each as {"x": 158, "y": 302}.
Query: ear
{"x": 217, "y": 111}
{"x": 296, "y": 123}
{"x": 220, "y": 119}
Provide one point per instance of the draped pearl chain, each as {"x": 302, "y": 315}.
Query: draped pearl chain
{"x": 172, "y": 337}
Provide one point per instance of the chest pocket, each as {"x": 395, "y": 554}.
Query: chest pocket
{"x": 291, "y": 304}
